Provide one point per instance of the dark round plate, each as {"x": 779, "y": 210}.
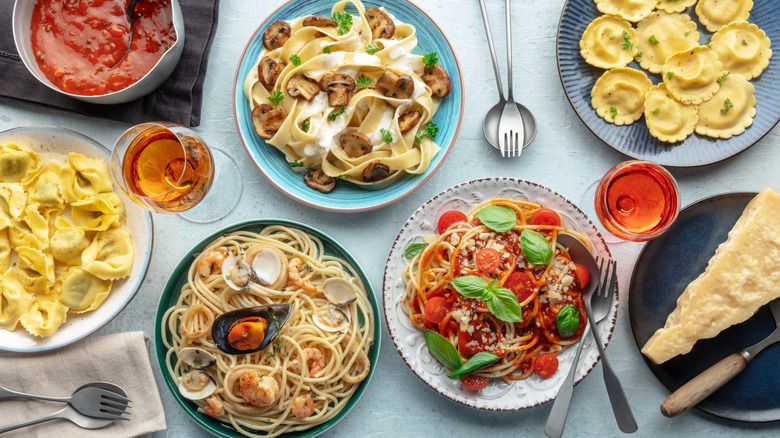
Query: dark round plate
{"x": 664, "y": 268}
{"x": 635, "y": 140}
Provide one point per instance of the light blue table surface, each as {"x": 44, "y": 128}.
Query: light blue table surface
{"x": 565, "y": 157}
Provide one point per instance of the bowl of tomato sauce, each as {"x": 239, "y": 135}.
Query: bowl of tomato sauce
{"x": 75, "y": 47}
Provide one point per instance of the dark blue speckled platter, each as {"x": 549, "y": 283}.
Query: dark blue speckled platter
{"x": 664, "y": 268}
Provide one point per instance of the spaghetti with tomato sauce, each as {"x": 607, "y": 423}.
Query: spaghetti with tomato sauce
{"x": 77, "y": 42}
{"x": 470, "y": 248}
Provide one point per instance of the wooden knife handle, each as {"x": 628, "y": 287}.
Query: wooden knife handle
{"x": 701, "y": 386}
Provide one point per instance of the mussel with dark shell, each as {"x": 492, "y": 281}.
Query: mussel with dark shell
{"x": 250, "y": 329}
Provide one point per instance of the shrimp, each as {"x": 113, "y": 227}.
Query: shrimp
{"x": 214, "y": 407}
{"x": 294, "y": 274}
{"x": 259, "y": 390}
{"x": 302, "y": 406}
{"x": 210, "y": 262}
{"x": 315, "y": 360}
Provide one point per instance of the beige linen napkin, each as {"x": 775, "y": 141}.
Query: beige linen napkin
{"x": 122, "y": 358}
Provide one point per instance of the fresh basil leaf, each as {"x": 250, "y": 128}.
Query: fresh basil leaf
{"x": 477, "y": 361}
{"x": 442, "y": 349}
{"x": 498, "y": 218}
{"x": 568, "y": 320}
{"x": 505, "y": 306}
{"x": 536, "y": 248}
{"x": 414, "y": 249}
{"x": 470, "y": 286}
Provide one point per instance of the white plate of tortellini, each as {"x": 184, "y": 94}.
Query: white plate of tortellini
{"x": 677, "y": 82}
{"x": 73, "y": 249}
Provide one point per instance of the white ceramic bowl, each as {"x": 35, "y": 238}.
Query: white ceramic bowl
{"x": 23, "y": 10}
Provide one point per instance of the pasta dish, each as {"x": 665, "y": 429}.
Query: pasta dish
{"x": 270, "y": 334}
{"x": 495, "y": 288}
{"x": 343, "y": 97}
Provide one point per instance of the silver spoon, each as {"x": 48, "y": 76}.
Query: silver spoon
{"x": 490, "y": 124}
{"x": 129, "y": 12}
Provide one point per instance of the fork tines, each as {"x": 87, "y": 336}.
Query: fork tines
{"x": 115, "y": 405}
{"x": 510, "y": 144}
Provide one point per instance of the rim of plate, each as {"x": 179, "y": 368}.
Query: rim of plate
{"x": 213, "y": 425}
{"x": 422, "y": 178}
{"x": 677, "y": 160}
{"x": 145, "y": 268}
{"x": 389, "y": 301}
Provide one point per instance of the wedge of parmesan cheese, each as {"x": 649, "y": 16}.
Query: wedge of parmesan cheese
{"x": 742, "y": 276}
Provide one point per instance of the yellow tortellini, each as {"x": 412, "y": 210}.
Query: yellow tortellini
{"x": 692, "y": 76}
{"x": 661, "y": 35}
{"x": 631, "y": 10}
{"x": 717, "y": 13}
{"x": 110, "y": 256}
{"x": 730, "y": 110}
{"x": 671, "y": 6}
{"x": 667, "y": 119}
{"x": 52, "y": 265}
{"x": 619, "y": 95}
{"x": 742, "y": 48}
{"x": 608, "y": 42}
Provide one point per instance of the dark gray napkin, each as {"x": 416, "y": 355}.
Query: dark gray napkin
{"x": 177, "y": 100}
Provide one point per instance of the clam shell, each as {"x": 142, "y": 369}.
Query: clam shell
{"x": 197, "y": 394}
{"x": 274, "y": 314}
{"x": 236, "y": 272}
{"x": 267, "y": 266}
{"x": 331, "y": 319}
{"x": 339, "y": 291}
{"x": 197, "y": 358}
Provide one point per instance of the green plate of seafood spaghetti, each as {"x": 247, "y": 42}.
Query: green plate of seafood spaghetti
{"x": 267, "y": 328}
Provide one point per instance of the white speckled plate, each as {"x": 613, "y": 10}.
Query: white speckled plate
{"x": 51, "y": 142}
{"x": 497, "y": 396}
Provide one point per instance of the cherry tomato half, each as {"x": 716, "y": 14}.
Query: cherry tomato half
{"x": 545, "y": 216}
{"x": 436, "y": 309}
{"x": 520, "y": 284}
{"x": 546, "y": 364}
{"x": 449, "y": 218}
{"x": 474, "y": 382}
{"x": 488, "y": 259}
{"x": 581, "y": 276}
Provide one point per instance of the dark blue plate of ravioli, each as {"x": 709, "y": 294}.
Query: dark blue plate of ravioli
{"x": 664, "y": 268}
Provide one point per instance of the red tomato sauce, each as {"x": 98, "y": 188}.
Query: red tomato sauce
{"x": 76, "y": 42}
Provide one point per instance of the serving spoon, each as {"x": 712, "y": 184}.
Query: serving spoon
{"x": 129, "y": 12}
{"x": 493, "y": 116}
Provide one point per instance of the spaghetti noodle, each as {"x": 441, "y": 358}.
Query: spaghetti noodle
{"x": 470, "y": 248}
{"x": 307, "y": 375}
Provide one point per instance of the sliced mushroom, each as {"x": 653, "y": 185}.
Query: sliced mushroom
{"x": 267, "y": 120}
{"x": 318, "y": 180}
{"x": 438, "y": 79}
{"x": 318, "y": 21}
{"x": 376, "y": 171}
{"x": 268, "y": 70}
{"x": 355, "y": 144}
{"x": 408, "y": 121}
{"x": 399, "y": 87}
{"x": 338, "y": 86}
{"x": 382, "y": 25}
{"x": 276, "y": 35}
{"x": 300, "y": 85}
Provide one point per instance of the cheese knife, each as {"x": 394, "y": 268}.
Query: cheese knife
{"x": 701, "y": 386}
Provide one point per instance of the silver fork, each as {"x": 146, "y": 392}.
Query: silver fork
{"x": 67, "y": 413}
{"x": 510, "y": 126}
{"x": 97, "y": 402}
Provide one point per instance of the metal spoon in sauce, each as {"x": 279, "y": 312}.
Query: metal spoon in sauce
{"x": 129, "y": 12}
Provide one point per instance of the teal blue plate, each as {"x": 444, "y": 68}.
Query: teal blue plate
{"x": 178, "y": 279}
{"x": 348, "y": 197}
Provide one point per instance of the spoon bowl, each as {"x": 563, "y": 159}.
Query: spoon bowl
{"x": 490, "y": 124}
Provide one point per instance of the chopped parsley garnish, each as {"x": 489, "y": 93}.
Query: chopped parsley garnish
{"x": 686, "y": 33}
{"x": 387, "y": 136}
{"x": 655, "y": 111}
{"x": 627, "y": 44}
{"x": 332, "y": 116}
{"x": 670, "y": 74}
{"x": 744, "y": 43}
{"x": 296, "y": 60}
{"x": 276, "y": 97}
{"x": 707, "y": 43}
{"x": 727, "y": 105}
{"x": 613, "y": 111}
{"x": 326, "y": 50}
{"x": 638, "y": 56}
{"x": 430, "y": 59}
{"x": 429, "y": 131}
{"x": 343, "y": 21}
{"x": 652, "y": 39}
{"x": 362, "y": 81}
{"x": 612, "y": 37}
{"x": 721, "y": 77}
{"x": 295, "y": 163}
{"x": 342, "y": 176}
{"x": 306, "y": 125}
{"x": 372, "y": 48}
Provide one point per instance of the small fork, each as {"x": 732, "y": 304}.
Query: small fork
{"x": 92, "y": 401}
{"x": 511, "y": 132}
